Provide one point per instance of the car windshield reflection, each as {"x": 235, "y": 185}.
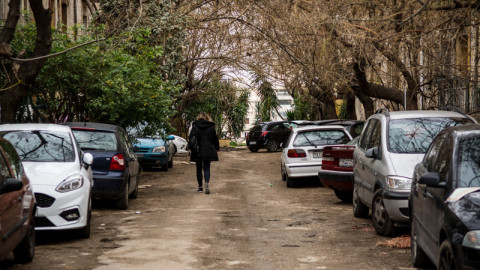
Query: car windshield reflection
{"x": 469, "y": 162}
{"x": 42, "y": 146}
{"x": 320, "y": 137}
{"x": 94, "y": 140}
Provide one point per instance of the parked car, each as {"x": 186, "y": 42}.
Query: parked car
{"x": 445, "y": 201}
{"x": 155, "y": 151}
{"x": 302, "y": 155}
{"x": 115, "y": 165}
{"x": 179, "y": 145}
{"x": 17, "y": 211}
{"x": 389, "y": 147}
{"x": 59, "y": 172}
{"x": 270, "y": 135}
{"x": 354, "y": 127}
{"x": 337, "y": 169}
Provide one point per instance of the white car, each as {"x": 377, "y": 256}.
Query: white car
{"x": 180, "y": 145}
{"x": 60, "y": 174}
{"x": 302, "y": 153}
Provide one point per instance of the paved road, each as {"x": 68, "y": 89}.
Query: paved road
{"x": 250, "y": 221}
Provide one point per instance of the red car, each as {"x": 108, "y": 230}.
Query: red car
{"x": 337, "y": 170}
{"x": 17, "y": 207}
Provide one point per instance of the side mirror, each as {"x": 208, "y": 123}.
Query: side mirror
{"x": 11, "y": 184}
{"x": 372, "y": 152}
{"x": 170, "y": 138}
{"x": 87, "y": 159}
{"x": 431, "y": 180}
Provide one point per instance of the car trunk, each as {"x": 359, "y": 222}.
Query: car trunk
{"x": 338, "y": 158}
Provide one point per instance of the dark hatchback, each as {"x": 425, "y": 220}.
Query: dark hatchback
{"x": 445, "y": 201}
{"x": 115, "y": 165}
{"x": 269, "y": 135}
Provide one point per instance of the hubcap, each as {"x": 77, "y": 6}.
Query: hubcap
{"x": 379, "y": 213}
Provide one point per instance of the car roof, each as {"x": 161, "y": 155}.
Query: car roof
{"x": 34, "y": 126}
{"x": 463, "y": 130}
{"x": 325, "y": 127}
{"x": 422, "y": 114}
{"x": 92, "y": 125}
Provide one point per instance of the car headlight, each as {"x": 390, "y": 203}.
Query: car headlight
{"x": 159, "y": 149}
{"x": 71, "y": 183}
{"x": 399, "y": 182}
{"x": 472, "y": 240}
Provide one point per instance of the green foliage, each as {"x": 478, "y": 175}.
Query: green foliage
{"x": 343, "y": 113}
{"x": 302, "y": 109}
{"x": 268, "y": 97}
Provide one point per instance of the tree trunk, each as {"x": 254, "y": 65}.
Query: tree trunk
{"x": 27, "y": 71}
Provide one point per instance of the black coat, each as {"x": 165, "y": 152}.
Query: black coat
{"x": 208, "y": 141}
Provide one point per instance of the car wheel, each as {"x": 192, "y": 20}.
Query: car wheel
{"x": 272, "y": 145}
{"x": 174, "y": 150}
{"x": 134, "y": 193}
{"x": 381, "y": 220}
{"x": 165, "y": 168}
{"x": 85, "y": 231}
{"x": 290, "y": 181}
{"x": 345, "y": 196}
{"x": 170, "y": 163}
{"x": 25, "y": 251}
{"x": 122, "y": 203}
{"x": 447, "y": 258}
{"x": 419, "y": 258}
{"x": 253, "y": 149}
{"x": 360, "y": 210}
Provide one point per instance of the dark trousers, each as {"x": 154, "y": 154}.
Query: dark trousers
{"x": 205, "y": 165}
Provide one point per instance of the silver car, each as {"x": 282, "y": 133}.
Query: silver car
{"x": 390, "y": 146}
{"x": 302, "y": 153}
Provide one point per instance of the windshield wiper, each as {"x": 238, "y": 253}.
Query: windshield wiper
{"x": 311, "y": 143}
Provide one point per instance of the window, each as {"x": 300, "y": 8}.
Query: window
{"x": 96, "y": 140}
{"x": 4, "y": 172}
{"x": 469, "y": 162}
{"x": 364, "y": 140}
{"x": 320, "y": 137}
{"x": 433, "y": 153}
{"x": 15, "y": 163}
{"x": 42, "y": 145}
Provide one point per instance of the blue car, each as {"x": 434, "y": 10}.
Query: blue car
{"x": 155, "y": 152}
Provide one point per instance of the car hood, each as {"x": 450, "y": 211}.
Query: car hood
{"x": 50, "y": 173}
{"x": 404, "y": 164}
{"x": 467, "y": 207}
{"x": 149, "y": 142}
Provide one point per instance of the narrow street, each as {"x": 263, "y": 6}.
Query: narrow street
{"x": 250, "y": 221}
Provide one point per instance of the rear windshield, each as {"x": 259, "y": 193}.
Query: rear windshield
{"x": 96, "y": 140}
{"x": 413, "y": 136}
{"x": 469, "y": 162}
{"x": 320, "y": 137}
{"x": 42, "y": 146}
{"x": 256, "y": 128}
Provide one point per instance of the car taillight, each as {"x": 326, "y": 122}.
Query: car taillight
{"x": 264, "y": 133}
{"x": 117, "y": 163}
{"x": 296, "y": 153}
{"x": 328, "y": 161}
{"x": 248, "y": 135}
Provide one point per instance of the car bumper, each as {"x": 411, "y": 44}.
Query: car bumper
{"x": 153, "y": 159}
{"x": 110, "y": 186}
{"x": 255, "y": 144}
{"x": 469, "y": 258}
{"x": 337, "y": 180}
{"x": 396, "y": 204}
{"x": 73, "y": 203}
{"x": 309, "y": 169}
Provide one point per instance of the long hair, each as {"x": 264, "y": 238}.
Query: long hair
{"x": 204, "y": 116}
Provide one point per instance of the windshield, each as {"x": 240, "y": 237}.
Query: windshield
{"x": 42, "y": 146}
{"x": 469, "y": 162}
{"x": 96, "y": 140}
{"x": 413, "y": 136}
{"x": 320, "y": 137}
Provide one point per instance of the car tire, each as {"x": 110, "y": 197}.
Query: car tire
{"x": 25, "y": 251}
{"x": 253, "y": 149}
{"x": 360, "y": 210}
{"x": 419, "y": 258}
{"x": 85, "y": 231}
{"x": 382, "y": 223}
{"x": 446, "y": 260}
{"x": 170, "y": 163}
{"x": 284, "y": 177}
{"x": 165, "y": 168}
{"x": 134, "y": 193}
{"x": 272, "y": 145}
{"x": 122, "y": 203}
{"x": 290, "y": 181}
{"x": 345, "y": 196}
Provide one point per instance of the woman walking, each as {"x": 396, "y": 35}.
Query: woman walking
{"x": 203, "y": 144}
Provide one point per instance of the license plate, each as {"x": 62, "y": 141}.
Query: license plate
{"x": 345, "y": 162}
{"x": 317, "y": 154}
{"x": 253, "y": 143}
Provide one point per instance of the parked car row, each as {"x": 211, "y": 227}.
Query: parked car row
{"x": 49, "y": 175}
